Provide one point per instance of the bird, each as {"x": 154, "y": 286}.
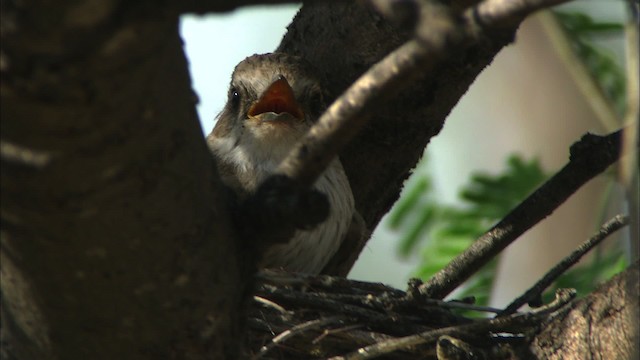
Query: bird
{"x": 273, "y": 100}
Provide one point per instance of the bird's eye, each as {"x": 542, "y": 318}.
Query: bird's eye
{"x": 234, "y": 97}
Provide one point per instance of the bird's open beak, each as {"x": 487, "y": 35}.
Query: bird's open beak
{"x": 276, "y": 103}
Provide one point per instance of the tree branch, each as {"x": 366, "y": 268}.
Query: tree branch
{"x": 535, "y": 291}
{"x": 589, "y": 157}
{"x": 374, "y": 101}
{"x": 438, "y": 34}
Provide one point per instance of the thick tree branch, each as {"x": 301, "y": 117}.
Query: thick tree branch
{"x": 589, "y": 157}
{"x": 438, "y": 34}
{"x": 394, "y": 123}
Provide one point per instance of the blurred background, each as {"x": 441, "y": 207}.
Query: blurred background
{"x": 527, "y": 103}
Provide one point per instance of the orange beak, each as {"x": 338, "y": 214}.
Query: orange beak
{"x": 278, "y": 99}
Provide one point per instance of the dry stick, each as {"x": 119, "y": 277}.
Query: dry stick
{"x": 437, "y": 34}
{"x": 271, "y": 304}
{"x": 328, "y": 332}
{"x": 563, "y": 296}
{"x": 346, "y": 115}
{"x": 333, "y": 283}
{"x": 607, "y": 229}
{"x": 589, "y": 157}
{"x": 508, "y": 12}
{"x": 298, "y": 329}
{"x": 342, "y": 120}
{"x": 370, "y": 317}
{"x": 373, "y": 295}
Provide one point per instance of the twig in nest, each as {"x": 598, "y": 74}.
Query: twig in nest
{"x": 270, "y": 304}
{"x": 463, "y": 306}
{"x": 309, "y": 325}
{"x": 335, "y": 331}
{"x": 399, "y": 323}
{"x": 326, "y": 282}
{"x": 563, "y": 296}
{"x": 607, "y": 229}
{"x": 589, "y": 157}
{"x": 413, "y": 296}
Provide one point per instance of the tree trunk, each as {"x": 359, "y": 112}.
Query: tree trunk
{"x": 116, "y": 242}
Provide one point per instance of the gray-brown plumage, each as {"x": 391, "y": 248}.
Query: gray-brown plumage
{"x": 273, "y": 101}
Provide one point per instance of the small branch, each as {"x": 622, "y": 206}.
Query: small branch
{"x": 337, "y": 305}
{"x": 453, "y": 304}
{"x": 17, "y": 154}
{"x": 414, "y": 296}
{"x": 298, "y": 329}
{"x": 347, "y": 114}
{"x": 333, "y": 283}
{"x": 437, "y": 34}
{"x": 271, "y": 304}
{"x": 589, "y": 157}
{"x": 607, "y": 229}
{"x": 508, "y": 12}
{"x": 358, "y": 291}
{"x": 562, "y": 298}
{"x": 328, "y": 332}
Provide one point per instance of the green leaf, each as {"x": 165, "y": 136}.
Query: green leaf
{"x": 412, "y": 236}
{"x": 582, "y": 30}
{"x": 408, "y": 202}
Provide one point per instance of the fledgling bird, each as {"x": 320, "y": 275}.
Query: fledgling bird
{"x": 273, "y": 101}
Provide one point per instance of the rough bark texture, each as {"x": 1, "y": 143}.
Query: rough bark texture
{"x": 116, "y": 239}
{"x": 603, "y": 325}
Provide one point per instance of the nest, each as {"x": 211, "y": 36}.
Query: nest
{"x": 298, "y": 316}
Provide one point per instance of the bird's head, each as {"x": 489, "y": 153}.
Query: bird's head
{"x": 273, "y": 100}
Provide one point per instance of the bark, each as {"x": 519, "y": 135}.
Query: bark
{"x": 603, "y": 325}
{"x": 117, "y": 241}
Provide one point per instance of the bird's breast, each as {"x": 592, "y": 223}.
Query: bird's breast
{"x": 310, "y": 250}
